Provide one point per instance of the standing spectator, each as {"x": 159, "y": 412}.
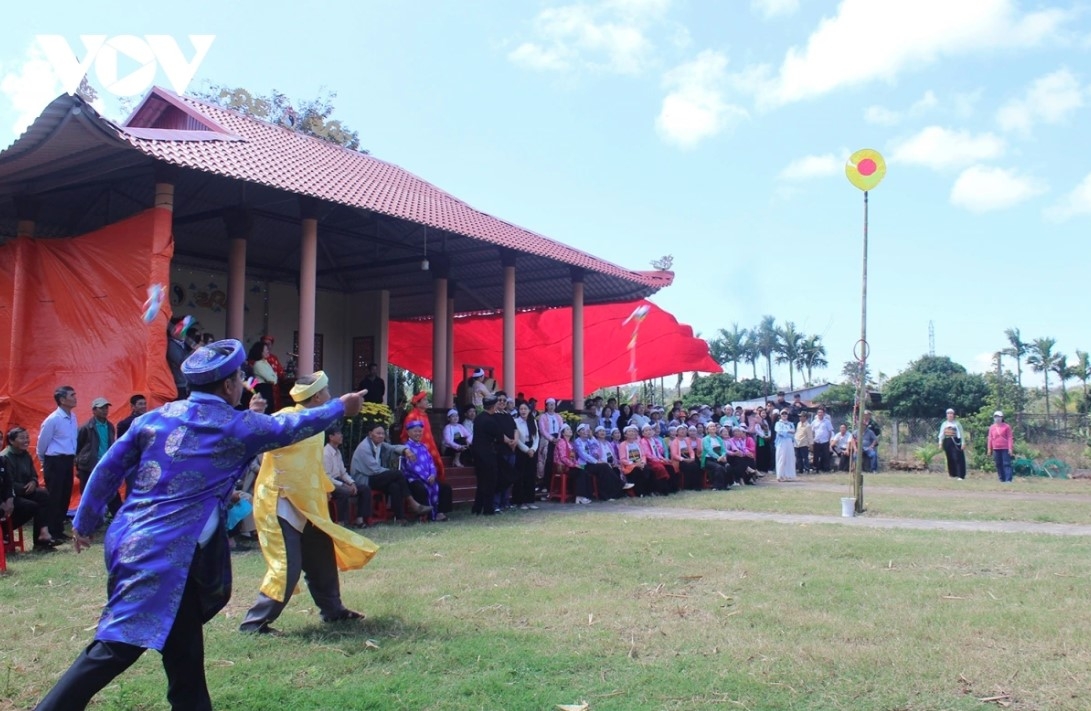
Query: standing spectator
{"x": 954, "y": 446}
{"x": 842, "y": 444}
{"x": 345, "y": 488}
{"x": 57, "y": 453}
{"x": 478, "y": 389}
{"x": 505, "y": 475}
{"x": 375, "y": 385}
{"x": 780, "y": 405}
{"x": 177, "y": 351}
{"x": 869, "y": 449}
{"x": 526, "y": 459}
{"x": 138, "y": 405}
{"x": 419, "y": 413}
{"x": 168, "y": 566}
{"x": 92, "y": 440}
{"x": 1000, "y": 445}
{"x": 823, "y": 433}
{"x": 486, "y": 446}
{"x": 20, "y": 495}
{"x": 804, "y": 442}
{"x": 794, "y": 411}
{"x": 786, "y": 447}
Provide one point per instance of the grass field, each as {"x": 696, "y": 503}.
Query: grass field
{"x": 531, "y": 610}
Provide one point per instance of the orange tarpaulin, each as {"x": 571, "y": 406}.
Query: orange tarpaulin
{"x": 71, "y": 314}
{"x": 543, "y": 359}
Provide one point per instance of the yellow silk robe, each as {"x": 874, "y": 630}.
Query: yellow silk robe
{"x": 297, "y": 473}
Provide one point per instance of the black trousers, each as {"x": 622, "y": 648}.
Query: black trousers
{"x": 641, "y": 479}
{"x": 310, "y": 552}
{"x": 526, "y": 472}
{"x": 956, "y": 458}
{"x": 342, "y": 498}
{"x": 419, "y": 492}
{"x": 693, "y": 477}
{"x": 57, "y": 470}
{"x": 717, "y": 475}
{"x": 822, "y": 456}
{"x": 609, "y": 482}
{"x": 485, "y": 471}
{"x": 101, "y": 662}
{"x": 34, "y": 505}
{"x": 394, "y": 485}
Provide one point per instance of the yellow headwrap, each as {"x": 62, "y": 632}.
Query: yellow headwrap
{"x": 301, "y": 393}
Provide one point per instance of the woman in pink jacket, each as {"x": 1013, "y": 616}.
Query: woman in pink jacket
{"x": 1000, "y": 444}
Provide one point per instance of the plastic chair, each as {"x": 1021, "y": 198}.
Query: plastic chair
{"x": 13, "y": 537}
{"x": 558, "y": 487}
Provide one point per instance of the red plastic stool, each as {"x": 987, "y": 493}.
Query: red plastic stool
{"x": 558, "y": 487}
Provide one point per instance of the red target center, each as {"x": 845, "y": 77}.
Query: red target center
{"x": 866, "y": 167}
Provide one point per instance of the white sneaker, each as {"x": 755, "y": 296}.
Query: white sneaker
{"x": 531, "y": 507}
{"x": 582, "y": 500}
{"x": 524, "y": 507}
{"x": 628, "y": 485}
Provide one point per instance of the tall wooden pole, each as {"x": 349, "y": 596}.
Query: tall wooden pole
{"x": 861, "y": 394}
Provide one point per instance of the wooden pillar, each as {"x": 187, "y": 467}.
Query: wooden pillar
{"x": 507, "y": 259}
{"x": 308, "y": 285}
{"x": 577, "y": 338}
{"x": 439, "y": 333}
{"x": 449, "y": 399}
{"x": 162, "y": 239}
{"x": 382, "y": 348}
{"x": 239, "y": 223}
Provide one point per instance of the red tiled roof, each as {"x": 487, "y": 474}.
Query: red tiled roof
{"x": 243, "y": 148}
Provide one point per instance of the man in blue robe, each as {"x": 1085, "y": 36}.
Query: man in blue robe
{"x": 166, "y": 550}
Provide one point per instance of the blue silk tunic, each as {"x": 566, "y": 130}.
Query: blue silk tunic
{"x": 179, "y": 464}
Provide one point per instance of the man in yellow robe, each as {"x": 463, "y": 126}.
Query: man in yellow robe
{"x": 294, "y": 526}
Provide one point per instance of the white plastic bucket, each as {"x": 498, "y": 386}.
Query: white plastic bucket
{"x": 848, "y": 507}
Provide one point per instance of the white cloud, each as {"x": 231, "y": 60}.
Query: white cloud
{"x": 984, "y": 188}
{"x": 608, "y": 36}
{"x": 1050, "y": 99}
{"x": 869, "y": 40}
{"x": 774, "y": 8}
{"x": 882, "y": 116}
{"x": 29, "y": 86}
{"x": 885, "y": 117}
{"x": 939, "y": 148}
{"x": 814, "y": 167}
{"x": 695, "y": 109}
{"x": 1077, "y": 202}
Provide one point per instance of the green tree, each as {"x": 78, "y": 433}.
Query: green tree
{"x": 789, "y": 348}
{"x": 311, "y": 118}
{"x": 720, "y": 389}
{"x": 1064, "y": 373}
{"x": 768, "y": 342}
{"x": 813, "y": 355}
{"x": 729, "y": 347}
{"x": 1040, "y": 357}
{"x": 1083, "y": 369}
{"x": 930, "y": 385}
{"x": 1018, "y": 351}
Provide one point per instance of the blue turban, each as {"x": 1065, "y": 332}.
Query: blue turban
{"x": 413, "y": 424}
{"x": 214, "y": 362}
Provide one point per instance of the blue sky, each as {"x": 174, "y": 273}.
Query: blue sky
{"x": 716, "y": 132}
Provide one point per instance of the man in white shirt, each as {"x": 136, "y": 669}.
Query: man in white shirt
{"x": 57, "y": 453}
{"x": 344, "y": 487}
{"x": 823, "y": 433}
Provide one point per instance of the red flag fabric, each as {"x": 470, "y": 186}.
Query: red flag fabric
{"x": 543, "y": 350}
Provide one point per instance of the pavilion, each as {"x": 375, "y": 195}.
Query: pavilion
{"x": 271, "y": 231}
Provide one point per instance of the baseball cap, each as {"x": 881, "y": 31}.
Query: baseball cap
{"x": 100, "y": 402}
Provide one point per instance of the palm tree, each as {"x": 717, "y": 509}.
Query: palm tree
{"x": 768, "y": 343}
{"x": 791, "y": 341}
{"x": 1064, "y": 373}
{"x": 750, "y": 352}
{"x": 813, "y": 355}
{"x": 1018, "y": 351}
{"x": 1040, "y": 357}
{"x": 1083, "y": 369}
{"x": 728, "y": 347}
